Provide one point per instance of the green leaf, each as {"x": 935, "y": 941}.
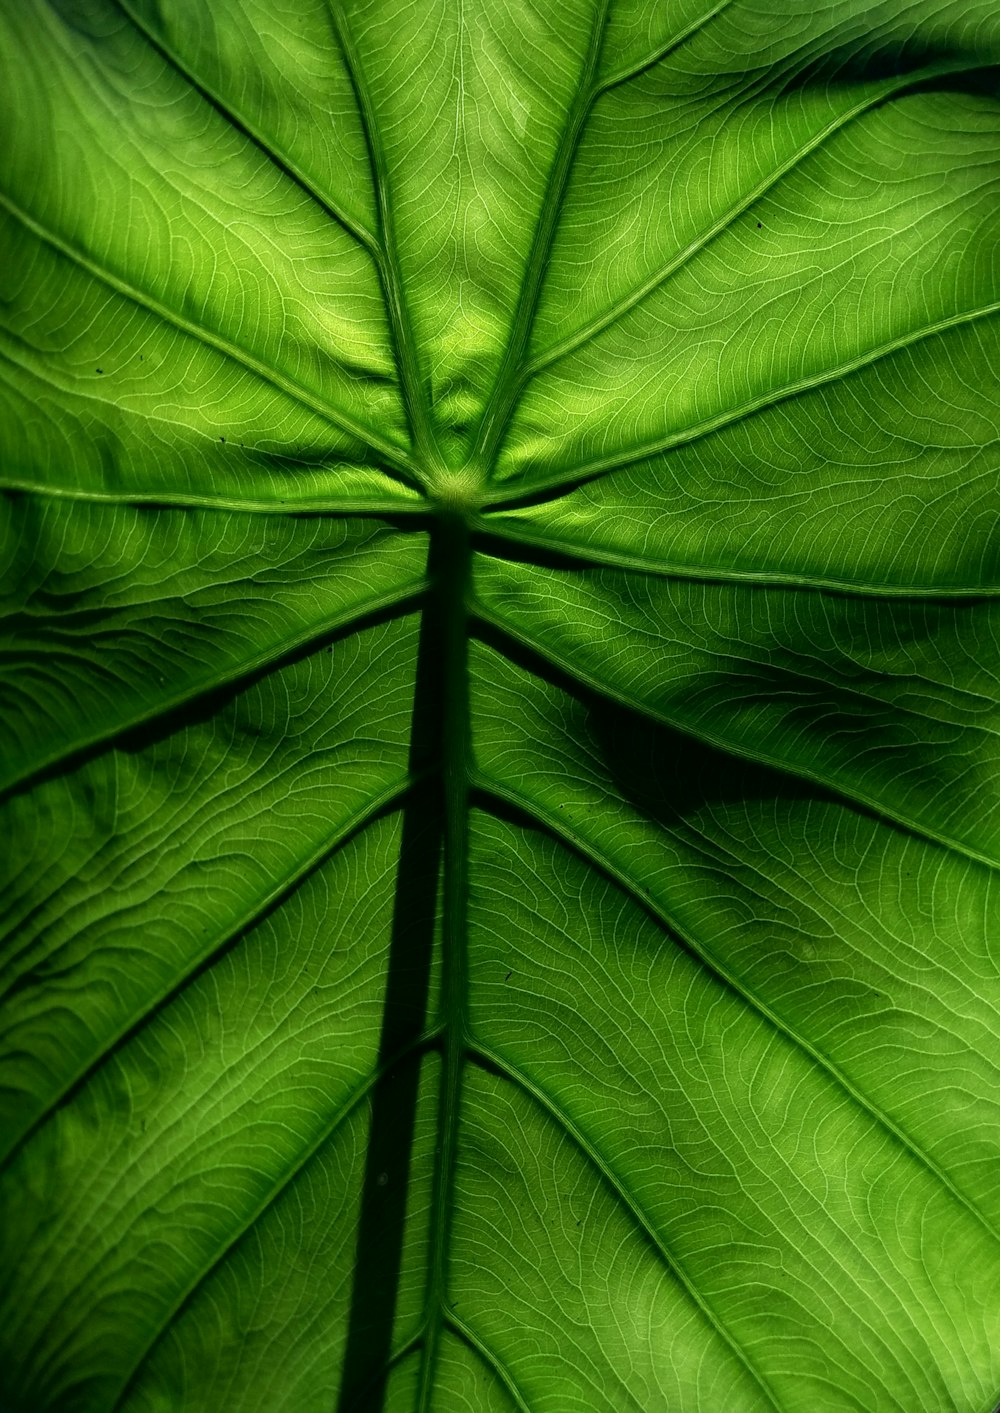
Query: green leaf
{"x": 500, "y": 779}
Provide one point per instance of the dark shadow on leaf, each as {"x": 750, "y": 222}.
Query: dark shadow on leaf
{"x": 874, "y": 60}
{"x": 665, "y": 774}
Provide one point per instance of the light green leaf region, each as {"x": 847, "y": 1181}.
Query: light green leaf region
{"x": 499, "y": 710}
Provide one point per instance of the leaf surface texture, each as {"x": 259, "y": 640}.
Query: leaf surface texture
{"x": 499, "y": 702}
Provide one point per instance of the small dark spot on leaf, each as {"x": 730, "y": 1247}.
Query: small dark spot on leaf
{"x": 222, "y": 439}
{"x": 100, "y": 370}
{"x": 142, "y": 357}
{"x": 508, "y": 976}
{"x": 759, "y": 227}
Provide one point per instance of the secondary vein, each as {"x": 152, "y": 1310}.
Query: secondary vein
{"x": 499, "y": 406}
{"x": 489, "y": 1058}
{"x": 243, "y": 125}
{"x": 391, "y": 452}
{"x": 236, "y": 928}
{"x": 623, "y": 306}
{"x": 561, "y": 481}
{"x": 360, "y": 1092}
{"x": 386, "y": 250}
{"x": 596, "y": 857}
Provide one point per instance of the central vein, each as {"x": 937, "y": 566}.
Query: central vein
{"x": 452, "y": 558}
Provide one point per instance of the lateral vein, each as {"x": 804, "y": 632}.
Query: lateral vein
{"x": 391, "y": 452}
{"x": 387, "y": 257}
{"x": 242, "y": 124}
{"x": 660, "y": 52}
{"x": 488, "y": 1356}
{"x": 630, "y": 301}
{"x": 591, "y": 854}
{"x": 564, "y": 480}
{"x": 196, "y": 964}
{"x": 722, "y": 743}
{"x": 486, "y": 1056}
{"x": 340, "y": 1116}
{"x": 371, "y": 505}
{"x": 500, "y": 403}
{"x": 523, "y": 533}
{"x": 400, "y": 598}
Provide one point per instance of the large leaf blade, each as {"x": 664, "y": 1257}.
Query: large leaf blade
{"x": 534, "y": 952}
